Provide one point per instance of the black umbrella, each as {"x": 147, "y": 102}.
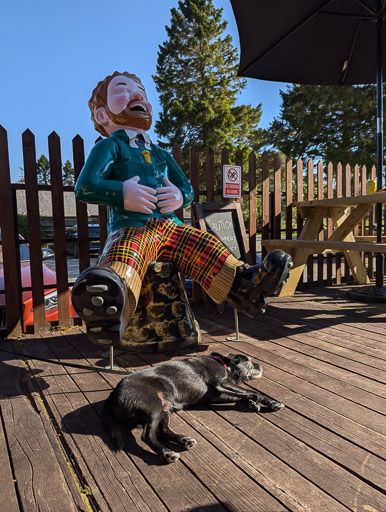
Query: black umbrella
{"x": 324, "y": 42}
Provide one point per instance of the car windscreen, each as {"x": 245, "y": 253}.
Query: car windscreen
{"x": 24, "y": 252}
{"x": 93, "y": 232}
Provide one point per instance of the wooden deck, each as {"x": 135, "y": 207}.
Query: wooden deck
{"x": 323, "y": 356}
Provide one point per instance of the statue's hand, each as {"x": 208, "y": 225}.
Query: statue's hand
{"x": 138, "y": 198}
{"x": 169, "y": 197}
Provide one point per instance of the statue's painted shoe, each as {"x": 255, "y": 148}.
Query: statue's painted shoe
{"x": 100, "y": 298}
{"x": 254, "y": 284}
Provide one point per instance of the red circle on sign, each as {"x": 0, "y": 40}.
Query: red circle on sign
{"x": 232, "y": 174}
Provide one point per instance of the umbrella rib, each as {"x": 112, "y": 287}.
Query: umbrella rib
{"x": 363, "y": 4}
{"x": 295, "y": 29}
{"x": 346, "y": 63}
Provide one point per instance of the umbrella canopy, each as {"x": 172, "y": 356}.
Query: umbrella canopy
{"x": 325, "y": 42}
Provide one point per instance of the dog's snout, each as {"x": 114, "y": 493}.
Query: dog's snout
{"x": 257, "y": 370}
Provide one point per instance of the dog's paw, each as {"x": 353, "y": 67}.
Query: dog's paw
{"x": 187, "y": 442}
{"x": 254, "y": 405}
{"x": 274, "y": 405}
{"x": 170, "y": 456}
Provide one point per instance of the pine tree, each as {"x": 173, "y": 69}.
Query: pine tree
{"x": 43, "y": 170}
{"x": 334, "y": 123}
{"x": 198, "y": 85}
{"x": 68, "y": 174}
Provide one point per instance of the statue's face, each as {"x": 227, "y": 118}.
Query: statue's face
{"x": 127, "y": 104}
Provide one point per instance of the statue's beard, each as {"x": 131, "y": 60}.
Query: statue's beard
{"x": 134, "y": 118}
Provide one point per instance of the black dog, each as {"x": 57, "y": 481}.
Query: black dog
{"x": 149, "y": 396}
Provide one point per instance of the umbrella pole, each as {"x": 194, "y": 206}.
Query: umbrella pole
{"x": 379, "y": 78}
{"x": 377, "y": 293}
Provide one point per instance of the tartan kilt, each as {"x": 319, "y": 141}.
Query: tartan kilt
{"x": 198, "y": 254}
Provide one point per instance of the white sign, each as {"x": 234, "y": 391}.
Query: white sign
{"x": 231, "y": 180}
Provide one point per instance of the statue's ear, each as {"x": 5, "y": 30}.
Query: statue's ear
{"x": 101, "y": 116}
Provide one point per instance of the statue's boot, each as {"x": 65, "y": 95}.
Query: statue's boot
{"x": 254, "y": 284}
{"x": 100, "y": 298}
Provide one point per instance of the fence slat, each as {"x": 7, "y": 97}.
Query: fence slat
{"x": 209, "y": 171}
{"x": 347, "y": 193}
{"x": 310, "y": 196}
{"x": 265, "y": 200}
{"x": 34, "y": 237}
{"x": 59, "y": 228}
{"x": 252, "y": 206}
{"x": 81, "y": 208}
{"x": 277, "y": 197}
{"x": 320, "y": 194}
{"x": 288, "y": 200}
{"x": 299, "y": 192}
{"x": 339, "y": 193}
{"x": 224, "y": 161}
{"x": 330, "y": 194}
{"x": 239, "y": 161}
{"x": 12, "y": 278}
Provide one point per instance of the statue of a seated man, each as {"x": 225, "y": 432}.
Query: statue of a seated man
{"x": 143, "y": 186}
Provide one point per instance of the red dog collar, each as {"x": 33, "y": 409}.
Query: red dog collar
{"x": 220, "y": 360}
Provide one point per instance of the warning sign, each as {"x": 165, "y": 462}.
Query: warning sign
{"x": 231, "y": 181}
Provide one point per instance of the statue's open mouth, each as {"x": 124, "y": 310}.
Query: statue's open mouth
{"x": 138, "y": 107}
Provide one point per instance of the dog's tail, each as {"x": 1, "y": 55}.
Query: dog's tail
{"x": 111, "y": 424}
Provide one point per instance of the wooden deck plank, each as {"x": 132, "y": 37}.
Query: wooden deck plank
{"x": 298, "y": 397}
{"x": 297, "y": 377}
{"x": 8, "y": 490}
{"x": 234, "y": 485}
{"x": 38, "y": 474}
{"x": 122, "y": 484}
{"x": 322, "y": 355}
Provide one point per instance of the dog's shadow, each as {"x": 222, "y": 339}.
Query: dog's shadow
{"x": 86, "y": 420}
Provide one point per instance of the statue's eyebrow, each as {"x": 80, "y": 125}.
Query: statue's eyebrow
{"x": 121, "y": 83}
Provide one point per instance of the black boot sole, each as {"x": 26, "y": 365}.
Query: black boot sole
{"x": 256, "y": 301}
{"x": 273, "y": 282}
{"x": 100, "y": 298}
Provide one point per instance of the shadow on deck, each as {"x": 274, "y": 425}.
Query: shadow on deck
{"x": 323, "y": 356}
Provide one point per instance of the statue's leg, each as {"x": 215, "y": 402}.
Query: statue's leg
{"x": 105, "y": 295}
{"x": 203, "y": 258}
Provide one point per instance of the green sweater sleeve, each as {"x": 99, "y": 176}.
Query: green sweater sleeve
{"x": 93, "y": 184}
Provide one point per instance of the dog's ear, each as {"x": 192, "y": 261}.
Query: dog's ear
{"x": 233, "y": 358}
{"x": 228, "y": 359}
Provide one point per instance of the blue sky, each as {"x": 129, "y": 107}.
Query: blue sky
{"x": 54, "y": 53}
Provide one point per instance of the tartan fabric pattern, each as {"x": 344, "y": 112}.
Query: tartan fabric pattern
{"x": 198, "y": 254}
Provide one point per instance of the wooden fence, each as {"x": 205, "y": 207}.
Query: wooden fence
{"x": 269, "y": 189}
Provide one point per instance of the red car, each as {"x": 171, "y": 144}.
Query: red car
{"x": 50, "y": 294}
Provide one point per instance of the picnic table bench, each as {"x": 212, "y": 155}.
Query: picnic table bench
{"x": 346, "y": 213}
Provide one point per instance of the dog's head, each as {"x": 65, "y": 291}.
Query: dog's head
{"x": 241, "y": 367}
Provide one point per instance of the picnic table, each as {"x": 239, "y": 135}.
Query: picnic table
{"x": 346, "y": 213}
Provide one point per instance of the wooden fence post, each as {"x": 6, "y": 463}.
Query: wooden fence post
{"x": 276, "y": 224}
{"x": 34, "y": 238}
{"x": 288, "y": 199}
{"x": 59, "y": 229}
{"x": 265, "y": 235}
{"x": 81, "y": 208}
{"x": 12, "y": 284}
{"x": 330, "y": 194}
{"x": 310, "y": 196}
{"x": 252, "y": 205}
{"x": 209, "y": 178}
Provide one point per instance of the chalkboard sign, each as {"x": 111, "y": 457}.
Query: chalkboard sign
{"x": 225, "y": 220}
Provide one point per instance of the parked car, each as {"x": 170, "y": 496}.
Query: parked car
{"x": 72, "y": 239}
{"x": 50, "y": 294}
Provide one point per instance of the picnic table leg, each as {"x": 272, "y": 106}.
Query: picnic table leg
{"x": 354, "y": 260}
{"x": 299, "y": 256}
